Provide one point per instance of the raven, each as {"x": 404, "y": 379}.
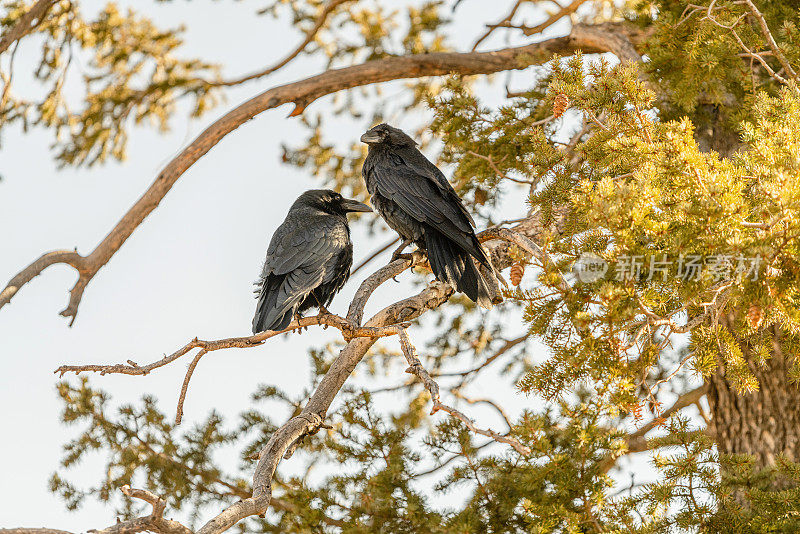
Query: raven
{"x": 416, "y": 200}
{"x": 308, "y": 259}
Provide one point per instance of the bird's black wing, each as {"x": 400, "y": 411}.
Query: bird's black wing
{"x": 301, "y": 256}
{"x": 422, "y": 197}
{"x": 417, "y": 161}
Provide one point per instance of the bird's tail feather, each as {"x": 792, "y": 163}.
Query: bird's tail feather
{"x": 454, "y": 266}
{"x": 271, "y": 314}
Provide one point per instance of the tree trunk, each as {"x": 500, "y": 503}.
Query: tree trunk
{"x": 764, "y": 424}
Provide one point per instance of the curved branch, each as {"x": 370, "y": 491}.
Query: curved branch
{"x": 26, "y": 24}
{"x": 608, "y": 37}
{"x": 349, "y": 332}
{"x": 636, "y": 441}
{"x": 555, "y": 17}
{"x": 310, "y": 36}
{"x": 311, "y": 418}
{"x": 416, "y": 368}
{"x": 363, "y": 263}
{"x": 155, "y": 522}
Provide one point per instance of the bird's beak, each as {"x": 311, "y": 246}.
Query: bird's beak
{"x": 353, "y": 205}
{"x": 370, "y": 137}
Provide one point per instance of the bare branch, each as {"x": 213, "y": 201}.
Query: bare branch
{"x": 363, "y": 263}
{"x": 749, "y": 53}
{"x": 555, "y": 17}
{"x": 312, "y": 416}
{"x": 508, "y": 345}
{"x": 71, "y": 258}
{"x": 155, "y": 522}
{"x": 607, "y": 37}
{"x": 415, "y": 368}
{"x": 348, "y": 330}
{"x": 355, "y": 312}
{"x": 329, "y": 8}
{"x": 636, "y": 441}
{"x": 26, "y": 23}
{"x": 492, "y": 27}
{"x": 487, "y": 401}
{"x": 42, "y": 530}
{"x": 771, "y": 40}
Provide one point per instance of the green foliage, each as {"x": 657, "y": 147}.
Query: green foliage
{"x": 130, "y": 71}
{"x": 648, "y": 169}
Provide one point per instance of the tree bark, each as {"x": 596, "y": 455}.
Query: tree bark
{"x": 765, "y": 423}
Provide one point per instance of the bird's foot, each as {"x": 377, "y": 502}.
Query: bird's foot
{"x": 397, "y": 254}
{"x": 297, "y": 318}
{"x": 323, "y": 311}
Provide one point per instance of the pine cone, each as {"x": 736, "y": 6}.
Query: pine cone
{"x": 481, "y": 196}
{"x": 755, "y": 314}
{"x": 517, "y": 270}
{"x": 560, "y": 105}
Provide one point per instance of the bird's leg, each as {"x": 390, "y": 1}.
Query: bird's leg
{"x": 297, "y": 318}
{"x": 397, "y": 254}
{"x": 322, "y": 310}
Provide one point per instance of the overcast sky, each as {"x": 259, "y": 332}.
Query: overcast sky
{"x": 186, "y": 272}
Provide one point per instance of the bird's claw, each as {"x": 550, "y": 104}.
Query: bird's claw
{"x": 398, "y": 253}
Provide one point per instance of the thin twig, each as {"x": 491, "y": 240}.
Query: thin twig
{"x": 363, "y": 263}
{"x": 555, "y": 17}
{"x": 771, "y": 40}
{"x": 415, "y": 367}
{"x": 329, "y": 8}
{"x": 492, "y": 27}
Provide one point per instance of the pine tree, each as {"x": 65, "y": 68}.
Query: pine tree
{"x": 657, "y": 267}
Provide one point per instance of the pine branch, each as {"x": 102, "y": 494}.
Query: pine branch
{"x": 636, "y": 441}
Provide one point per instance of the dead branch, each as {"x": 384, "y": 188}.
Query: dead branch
{"x": 508, "y": 345}
{"x": 42, "y": 530}
{"x": 636, "y": 441}
{"x": 322, "y": 19}
{"x": 312, "y": 416}
{"x": 363, "y": 263}
{"x": 748, "y": 52}
{"x": 492, "y": 27}
{"x": 26, "y": 23}
{"x": 155, "y": 522}
{"x": 348, "y": 330}
{"x": 765, "y": 31}
{"x": 608, "y": 37}
{"x": 552, "y": 19}
{"x": 355, "y": 313}
{"x": 415, "y": 368}
{"x": 457, "y": 393}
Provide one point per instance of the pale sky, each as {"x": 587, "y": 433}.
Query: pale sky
{"x": 186, "y": 272}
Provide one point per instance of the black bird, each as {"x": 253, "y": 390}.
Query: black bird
{"x": 308, "y": 259}
{"x": 416, "y": 200}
